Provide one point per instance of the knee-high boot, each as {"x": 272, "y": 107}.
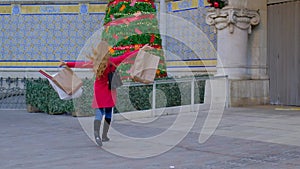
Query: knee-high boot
{"x": 105, "y": 129}
{"x": 97, "y": 124}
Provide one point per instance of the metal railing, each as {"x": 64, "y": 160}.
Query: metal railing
{"x": 12, "y": 90}
{"x": 12, "y": 93}
{"x": 191, "y": 80}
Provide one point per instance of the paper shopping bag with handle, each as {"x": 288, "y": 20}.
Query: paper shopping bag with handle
{"x": 145, "y": 66}
{"x": 65, "y": 79}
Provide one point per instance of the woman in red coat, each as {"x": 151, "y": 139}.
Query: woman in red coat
{"x": 104, "y": 98}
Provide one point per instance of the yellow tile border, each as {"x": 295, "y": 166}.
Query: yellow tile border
{"x": 5, "y": 9}
{"x": 191, "y": 4}
{"x": 52, "y": 9}
{"x": 49, "y": 9}
{"x": 206, "y": 3}
{"x": 70, "y": 9}
{"x": 96, "y": 8}
{"x": 35, "y": 9}
{"x": 28, "y": 64}
{"x": 193, "y": 63}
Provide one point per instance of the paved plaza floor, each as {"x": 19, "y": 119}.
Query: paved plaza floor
{"x": 246, "y": 138}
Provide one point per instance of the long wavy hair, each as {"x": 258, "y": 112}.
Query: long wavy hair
{"x": 100, "y": 56}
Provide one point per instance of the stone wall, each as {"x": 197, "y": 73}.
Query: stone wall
{"x": 248, "y": 92}
{"x": 257, "y": 47}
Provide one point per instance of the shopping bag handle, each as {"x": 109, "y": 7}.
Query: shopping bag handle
{"x": 47, "y": 75}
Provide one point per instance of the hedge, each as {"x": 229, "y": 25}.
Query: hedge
{"x": 131, "y": 96}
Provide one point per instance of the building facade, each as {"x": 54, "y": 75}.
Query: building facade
{"x": 37, "y": 34}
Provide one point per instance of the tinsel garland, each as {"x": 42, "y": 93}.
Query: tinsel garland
{"x": 130, "y": 20}
{"x": 135, "y": 39}
{"x": 114, "y": 12}
{"x": 132, "y": 2}
{"x": 124, "y": 31}
{"x": 119, "y": 50}
{"x": 122, "y": 15}
{"x": 135, "y": 46}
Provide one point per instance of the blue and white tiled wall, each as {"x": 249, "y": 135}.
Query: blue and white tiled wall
{"x": 38, "y": 36}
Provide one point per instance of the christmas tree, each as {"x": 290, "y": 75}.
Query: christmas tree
{"x": 129, "y": 25}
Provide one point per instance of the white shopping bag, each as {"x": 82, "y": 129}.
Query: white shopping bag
{"x": 145, "y": 66}
{"x": 62, "y": 94}
{"x": 66, "y": 83}
{"x": 66, "y": 79}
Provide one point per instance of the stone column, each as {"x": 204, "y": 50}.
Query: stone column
{"x": 233, "y": 25}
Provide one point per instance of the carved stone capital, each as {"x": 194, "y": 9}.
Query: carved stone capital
{"x": 232, "y": 17}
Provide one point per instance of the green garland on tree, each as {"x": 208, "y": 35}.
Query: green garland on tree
{"x": 127, "y": 11}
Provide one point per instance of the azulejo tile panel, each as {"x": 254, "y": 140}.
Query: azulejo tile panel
{"x": 38, "y": 36}
{"x": 35, "y": 36}
{"x": 193, "y": 38}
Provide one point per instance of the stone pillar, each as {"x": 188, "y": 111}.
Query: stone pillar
{"x": 241, "y": 54}
{"x": 233, "y": 25}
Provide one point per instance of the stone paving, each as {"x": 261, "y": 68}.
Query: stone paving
{"x": 246, "y": 138}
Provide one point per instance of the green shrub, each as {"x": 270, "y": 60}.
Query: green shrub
{"x": 37, "y": 93}
{"x": 84, "y": 102}
{"x": 40, "y": 94}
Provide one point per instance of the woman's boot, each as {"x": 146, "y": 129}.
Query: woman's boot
{"x": 97, "y": 124}
{"x": 105, "y": 129}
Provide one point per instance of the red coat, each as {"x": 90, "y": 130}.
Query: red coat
{"x": 103, "y": 96}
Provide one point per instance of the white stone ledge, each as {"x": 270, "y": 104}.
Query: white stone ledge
{"x": 160, "y": 112}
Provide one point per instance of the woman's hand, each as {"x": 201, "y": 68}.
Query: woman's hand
{"x": 62, "y": 63}
{"x": 147, "y": 47}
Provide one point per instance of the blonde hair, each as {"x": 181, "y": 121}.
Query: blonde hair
{"x": 99, "y": 57}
